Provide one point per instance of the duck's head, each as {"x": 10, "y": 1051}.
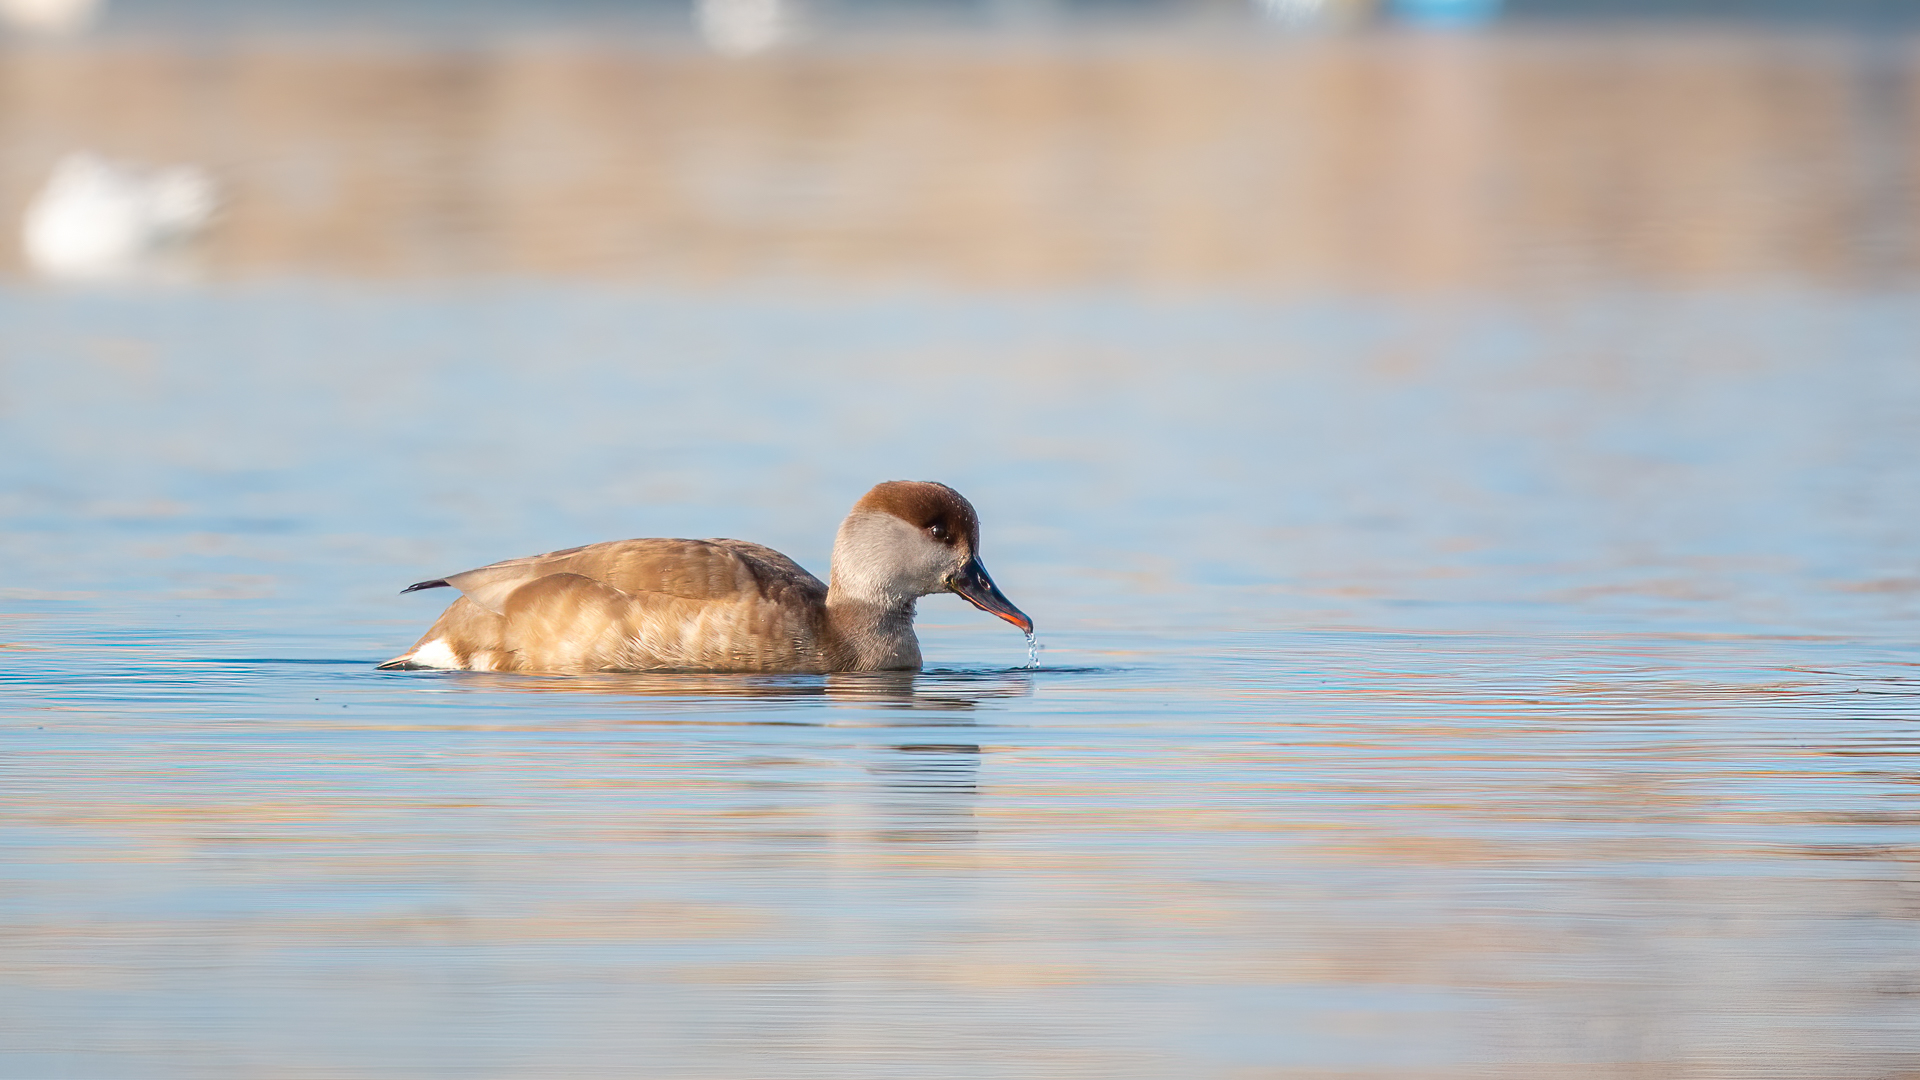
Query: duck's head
{"x": 911, "y": 538}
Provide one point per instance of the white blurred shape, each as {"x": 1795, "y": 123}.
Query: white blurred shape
{"x": 1292, "y": 12}
{"x": 50, "y": 18}
{"x": 743, "y": 27}
{"x": 101, "y": 219}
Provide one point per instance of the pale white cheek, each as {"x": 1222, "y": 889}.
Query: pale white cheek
{"x": 884, "y": 558}
{"x": 435, "y": 654}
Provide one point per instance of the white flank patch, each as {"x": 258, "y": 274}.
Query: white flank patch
{"x": 435, "y": 654}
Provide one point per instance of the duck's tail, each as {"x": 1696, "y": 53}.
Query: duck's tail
{"x": 407, "y": 662}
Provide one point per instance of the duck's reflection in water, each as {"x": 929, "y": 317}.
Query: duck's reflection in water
{"x": 924, "y": 789}
{"x": 952, "y": 690}
{"x": 944, "y": 688}
{"x": 926, "y": 792}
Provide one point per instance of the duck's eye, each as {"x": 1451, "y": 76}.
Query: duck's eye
{"x": 938, "y": 532}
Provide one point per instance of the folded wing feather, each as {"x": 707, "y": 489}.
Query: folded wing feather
{"x": 706, "y": 570}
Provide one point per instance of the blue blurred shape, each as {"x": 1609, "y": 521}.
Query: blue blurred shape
{"x": 1445, "y": 12}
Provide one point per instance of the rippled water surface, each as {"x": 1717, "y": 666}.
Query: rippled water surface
{"x": 1440, "y": 697}
{"x": 1435, "y": 682}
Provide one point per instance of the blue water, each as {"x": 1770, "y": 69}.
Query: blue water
{"x": 1427, "y": 688}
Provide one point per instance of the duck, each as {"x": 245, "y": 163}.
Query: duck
{"x": 720, "y": 605}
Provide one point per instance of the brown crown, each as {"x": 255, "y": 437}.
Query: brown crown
{"x": 924, "y": 504}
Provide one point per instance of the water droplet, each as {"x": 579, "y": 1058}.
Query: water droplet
{"x": 1033, "y": 651}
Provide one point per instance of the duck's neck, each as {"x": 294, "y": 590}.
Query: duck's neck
{"x": 872, "y": 634}
{"x": 869, "y": 613}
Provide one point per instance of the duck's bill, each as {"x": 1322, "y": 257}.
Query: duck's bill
{"x": 973, "y": 583}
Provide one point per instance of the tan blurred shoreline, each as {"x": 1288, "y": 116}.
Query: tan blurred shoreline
{"x": 1368, "y": 163}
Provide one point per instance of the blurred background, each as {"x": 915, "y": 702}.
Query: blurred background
{"x": 1427, "y": 301}
{"x": 1244, "y": 146}
{"x": 1462, "y": 458}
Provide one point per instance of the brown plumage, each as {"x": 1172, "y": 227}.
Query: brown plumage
{"x": 720, "y": 605}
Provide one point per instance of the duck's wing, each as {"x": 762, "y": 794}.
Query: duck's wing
{"x": 715, "y": 605}
{"x": 713, "y": 571}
